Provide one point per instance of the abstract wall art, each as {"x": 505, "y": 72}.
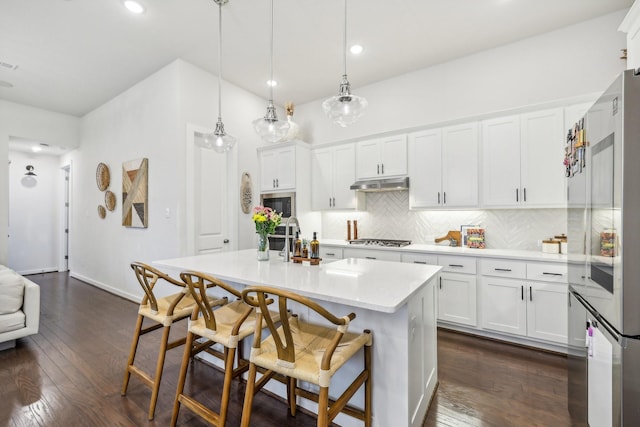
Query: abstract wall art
{"x": 135, "y": 212}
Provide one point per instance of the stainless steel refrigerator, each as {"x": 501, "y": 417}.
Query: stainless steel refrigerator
{"x": 603, "y": 214}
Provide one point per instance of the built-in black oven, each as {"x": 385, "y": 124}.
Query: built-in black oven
{"x": 284, "y": 203}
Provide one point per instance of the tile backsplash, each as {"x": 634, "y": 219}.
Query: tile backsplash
{"x": 388, "y": 217}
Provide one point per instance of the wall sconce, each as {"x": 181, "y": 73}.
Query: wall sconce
{"x": 30, "y": 171}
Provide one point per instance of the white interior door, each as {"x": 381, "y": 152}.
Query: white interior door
{"x": 207, "y": 197}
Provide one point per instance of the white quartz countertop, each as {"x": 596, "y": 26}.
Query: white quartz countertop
{"x": 448, "y": 250}
{"x": 371, "y": 284}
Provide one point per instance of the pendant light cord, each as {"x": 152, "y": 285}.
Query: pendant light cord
{"x": 271, "y": 61}
{"x": 220, "y": 61}
{"x": 344, "y": 44}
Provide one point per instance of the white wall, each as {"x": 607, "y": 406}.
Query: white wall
{"x": 34, "y": 123}
{"x": 33, "y": 213}
{"x": 566, "y": 63}
{"x": 150, "y": 120}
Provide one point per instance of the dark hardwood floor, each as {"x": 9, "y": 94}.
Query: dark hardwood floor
{"x": 70, "y": 374}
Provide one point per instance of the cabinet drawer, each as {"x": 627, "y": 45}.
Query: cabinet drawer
{"x": 457, "y": 264}
{"x": 420, "y": 258}
{"x": 330, "y": 252}
{"x": 503, "y": 268}
{"x": 371, "y": 254}
{"x": 547, "y": 272}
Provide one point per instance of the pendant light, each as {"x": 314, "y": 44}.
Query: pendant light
{"x": 219, "y": 140}
{"x": 344, "y": 108}
{"x": 269, "y": 127}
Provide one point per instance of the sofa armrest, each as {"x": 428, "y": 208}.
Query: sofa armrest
{"x": 31, "y": 306}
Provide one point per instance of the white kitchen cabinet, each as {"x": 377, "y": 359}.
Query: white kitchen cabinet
{"x": 515, "y": 304}
{"x": 332, "y": 173}
{"x": 371, "y": 254}
{"x": 330, "y": 252}
{"x": 382, "y": 157}
{"x": 278, "y": 168}
{"x": 522, "y": 160}
{"x": 457, "y": 298}
{"x": 542, "y": 152}
{"x": 443, "y": 167}
{"x": 420, "y": 258}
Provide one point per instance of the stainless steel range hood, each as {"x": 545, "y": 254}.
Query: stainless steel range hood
{"x": 383, "y": 184}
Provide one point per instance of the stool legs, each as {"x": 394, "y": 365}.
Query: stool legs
{"x": 248, "y": 396}
{"x": 181, "y": 379}
{"x": 153, "y": 383}
{"x": 132, "y": 354}
{"x": 368, "y": 386}
{"x": 292, "y": 383}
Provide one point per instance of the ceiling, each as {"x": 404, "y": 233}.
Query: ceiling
{"x": 74, "y": 55}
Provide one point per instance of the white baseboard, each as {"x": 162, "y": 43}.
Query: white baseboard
{"x": 37, "y": 271}
{"x": 104, "y": 286}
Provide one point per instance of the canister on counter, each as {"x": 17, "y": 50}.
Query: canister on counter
{"x": 563, "y": 243}
{"x": 608, "y": 243}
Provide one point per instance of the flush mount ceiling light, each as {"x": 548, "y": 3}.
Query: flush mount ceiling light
{"x": 345, "y": 108}
{"x": 269, "y": 127}
{"x": 219, "y": 140}
{"x": 134, "y": 6}
{"x": 36, "y": 149}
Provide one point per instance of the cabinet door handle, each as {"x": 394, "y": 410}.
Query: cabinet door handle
{"x": 530, "y": 294}
{"x": 329, "y": 201}
{"x": 334, "y": 202}
{"x": 277, "y": 182}
{"x": 440, "y": 282}
{"x": 444, "y": 198}
{"x": 438, "y": 197}
{"x": 330, "y": 254}
{"x": 522, "y": 292}
{"x": 524, "y": 194}
{"x": 456, "y": 265}
{"x": 502, "y": 269}
{"x": 517, "y": 198}
{"x": 378, "y": 170}
{"x": 274, "y": 183}
{"x": 420, "y": 262}
{"x": 382, "y": 167}
{"x": 551, "y": 274}
{"x": 370, "y": 257}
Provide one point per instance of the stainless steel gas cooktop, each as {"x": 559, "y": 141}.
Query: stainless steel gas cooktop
{"x": 381, "y": 242}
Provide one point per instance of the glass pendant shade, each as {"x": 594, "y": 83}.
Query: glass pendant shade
{"x": 345, "y": 108}
{"x": 269, "y": 127}
{"x": 218, "y": 140}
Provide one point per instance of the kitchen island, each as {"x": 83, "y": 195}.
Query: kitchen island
{"x": 396, "y": 301}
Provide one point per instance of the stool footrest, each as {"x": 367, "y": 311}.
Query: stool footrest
{"x": 144, "y": 377}
{"x": 200, "y": 409}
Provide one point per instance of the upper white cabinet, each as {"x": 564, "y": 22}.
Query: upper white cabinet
{"x": 522, "y": 160}
{"x": 333, "y": 172}
{"x": 382, "y": 157}
{"x": 284, "y": 167}
{"x": 443, "y": 167}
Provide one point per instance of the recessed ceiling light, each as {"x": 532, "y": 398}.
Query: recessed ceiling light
{"x": 356, "y": 49}
{"x": 134, "y": 6}
{"x": 36, "y": 149}
{"x": 5, "y": 84}
{"x": 272, "y": 83}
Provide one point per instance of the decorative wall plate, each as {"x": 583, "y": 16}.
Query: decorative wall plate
{"x": 110, "y": 200}
{"x": 102, "y": 212}
{"x": 102, "y": 176}
{"x": 246, "y": 192}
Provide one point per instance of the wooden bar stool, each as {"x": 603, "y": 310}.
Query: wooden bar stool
{"x": 163, "y": 312}
{"x": 307, "y": 352}
{"x": 228, "y": 326}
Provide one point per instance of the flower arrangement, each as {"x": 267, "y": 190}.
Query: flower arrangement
{"x": 266, "y": 220}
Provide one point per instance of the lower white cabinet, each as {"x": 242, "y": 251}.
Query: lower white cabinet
{"x": 520, "y": 306}
{"x": 330, "y": 252}
{"x": 371, "y": 254}
{"x": 457, "y": 298}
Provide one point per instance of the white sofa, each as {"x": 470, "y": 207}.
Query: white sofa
{"x": 19, "y": 307}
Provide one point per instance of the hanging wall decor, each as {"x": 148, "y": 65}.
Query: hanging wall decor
{"x": 102, "y": 212}
{"x": 134, "y": 193}
{"x": 110, "y": 200}
{"x": 102, "y": 176}
{"x": 246, "y": 193}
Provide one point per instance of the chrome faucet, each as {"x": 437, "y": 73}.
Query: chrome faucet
{"x": 287, "y": 250}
